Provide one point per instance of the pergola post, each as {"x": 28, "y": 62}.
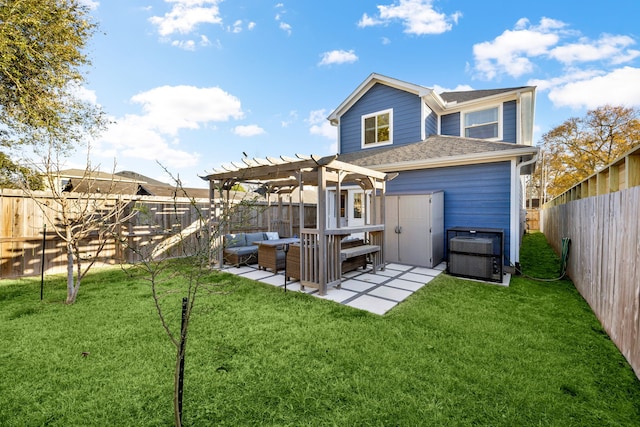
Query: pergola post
{"x": 321, "y": 214}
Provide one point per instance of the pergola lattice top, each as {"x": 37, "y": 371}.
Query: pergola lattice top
{"x": 283, "y": 174}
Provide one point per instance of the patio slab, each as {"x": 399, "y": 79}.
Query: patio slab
{"x": 377, "y": 293}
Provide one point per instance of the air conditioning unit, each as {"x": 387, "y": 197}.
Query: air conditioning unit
{"x": 472, "y": 257}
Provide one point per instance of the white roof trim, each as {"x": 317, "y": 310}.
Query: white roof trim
{"x": 374, "y": 78}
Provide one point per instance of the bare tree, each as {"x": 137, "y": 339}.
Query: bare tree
{"x": 180, "y": 264}
{"x": 92, "y": 212}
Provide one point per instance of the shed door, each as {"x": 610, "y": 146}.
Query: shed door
{"x": 407, "y": 230}
{"x": 414, "y": 223}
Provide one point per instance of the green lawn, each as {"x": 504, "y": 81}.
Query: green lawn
{"x": 455, "y": 353}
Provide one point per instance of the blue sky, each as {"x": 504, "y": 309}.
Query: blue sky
{"x": 192, "y": 84}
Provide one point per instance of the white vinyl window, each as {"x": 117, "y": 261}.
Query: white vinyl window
{"x": 483, "y": 124}
{"x": 377, "y": 129}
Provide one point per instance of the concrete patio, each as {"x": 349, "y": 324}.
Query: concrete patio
{"x": 377, "y": 293}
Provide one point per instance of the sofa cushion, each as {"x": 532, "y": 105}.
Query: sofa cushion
{"x": 235, "y": 240}
{"x": 254, "y": 237}
{"x": 243, "y": 250}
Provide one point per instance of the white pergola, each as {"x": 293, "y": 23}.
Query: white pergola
{"x": 320, "y": 247}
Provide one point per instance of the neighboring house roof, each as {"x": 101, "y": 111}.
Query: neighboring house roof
{"x": 166, "y": 190}
{"x": 437, "y": 151}
{"x": 140, "y": 178}
{"x": 126, "y": 182}
{"x": 78, "y": 185}
{"x": 96, "y": 175}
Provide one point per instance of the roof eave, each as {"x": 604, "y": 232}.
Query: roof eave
{"x": 455, "y": 105}
{"x": 465, "y": 159}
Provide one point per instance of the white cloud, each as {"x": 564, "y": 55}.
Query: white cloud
{"x": 171, "y": 108}
{"x": 186, "y": 15}
{"x": 293, "y": 116}
{"x": 514, "y": 51}
{"x": 184, "y": 44}
{"x": 251, "y": 25}
{"x": 285, "y": 27}
{"x": 248, "y": 130}
{"x": 619, "y": 87}
{"x": 237, "y": 26}
{"x": 418, "y": 17}
{"x": 84, "y": 94}
{"x": 91, "y": 4}
{"x": 133, "y": 137}
{"x": 321, "y": 126}
{"x": 460, "y": 88}
{"x": 608, "y": 47}
{"x": 166, "y": 110}
{"x": 338, "y": 57}
{"x": 509, "y": 53}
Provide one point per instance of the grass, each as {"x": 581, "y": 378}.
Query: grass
{"x": 456, "y": 353}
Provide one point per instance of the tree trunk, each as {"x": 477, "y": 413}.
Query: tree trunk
{"x": 71, "y": 289}
{"x": 177, "y": 411}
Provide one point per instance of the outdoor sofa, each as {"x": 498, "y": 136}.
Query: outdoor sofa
{"x": 239, "y": 248}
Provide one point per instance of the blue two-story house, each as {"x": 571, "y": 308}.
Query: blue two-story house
{"x": 474, "y": 146}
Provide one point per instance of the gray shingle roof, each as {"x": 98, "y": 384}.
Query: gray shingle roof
{"x": 470, "y": 95}
{"x": 434, "y": 147}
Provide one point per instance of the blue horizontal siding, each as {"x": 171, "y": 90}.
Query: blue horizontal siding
{"x": 476, "y": 196}
{"x": 509, "y": 121}
{"x": 431, "y": 124}
{"x": 450, "y": 124}
{"x": 406, "y": 116}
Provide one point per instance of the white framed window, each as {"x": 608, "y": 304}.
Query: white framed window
{"x": 483, "y": 124}
{"x": 377, "y": 129}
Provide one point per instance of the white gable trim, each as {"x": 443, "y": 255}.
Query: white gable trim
{"x": 421, "y": 91}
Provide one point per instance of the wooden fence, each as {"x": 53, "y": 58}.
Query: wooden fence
{"x": 605, "y": 250}
{"x": 155, "y": 227}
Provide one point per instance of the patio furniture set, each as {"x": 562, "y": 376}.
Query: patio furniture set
{"x": 267, "y": 249}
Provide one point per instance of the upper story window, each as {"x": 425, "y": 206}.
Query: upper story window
{"x": 377, "y": 129}
{"x": 482, "y": 124}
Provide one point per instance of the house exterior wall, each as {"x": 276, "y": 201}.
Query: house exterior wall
{"x": 450, "y": 124}
{"x": 431, "y": 124}
{"x": 509, "y": 121}
{"x": 477, "y": 196}
{"x": 406, "y": 117}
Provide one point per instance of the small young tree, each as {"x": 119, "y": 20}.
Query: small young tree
{"x": 180, "y": 264}
{"x": 92, "y": 212}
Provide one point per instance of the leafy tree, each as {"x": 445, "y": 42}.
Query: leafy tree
{"x": 41, "y": 71}
{"x": 581, "y": 146}
{"x": 13, "y": 175}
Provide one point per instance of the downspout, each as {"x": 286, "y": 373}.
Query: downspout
{"x": 516, "y": 237}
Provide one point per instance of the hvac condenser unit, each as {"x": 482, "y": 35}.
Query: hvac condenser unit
{"x": 475, "y": 254}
